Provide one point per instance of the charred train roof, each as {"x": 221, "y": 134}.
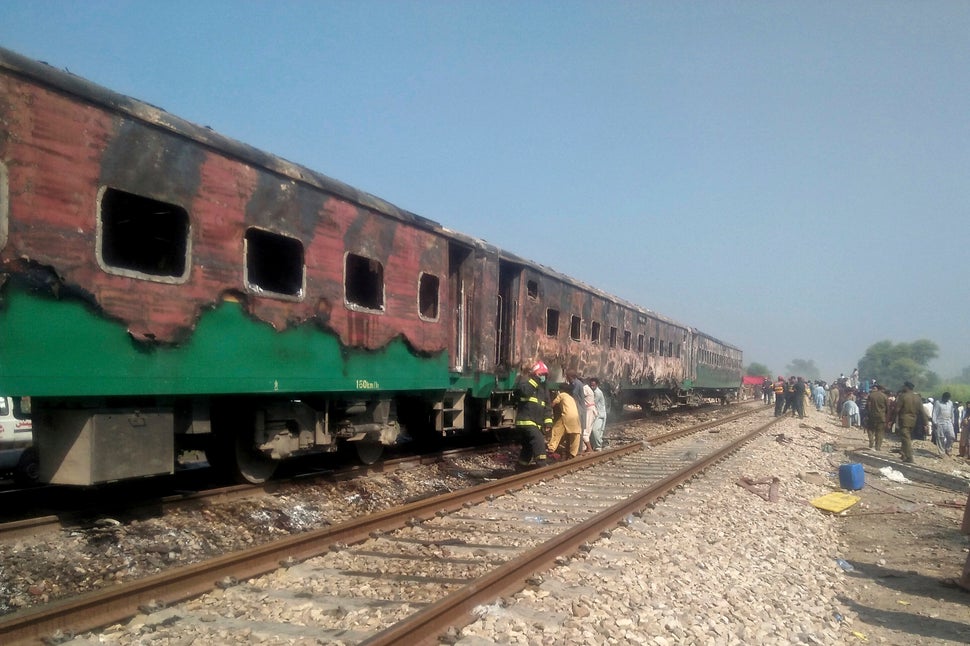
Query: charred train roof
{"x": 89, "y": 92}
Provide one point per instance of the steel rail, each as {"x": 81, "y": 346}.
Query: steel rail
{"x": 117, "y": 603}
{"x": 110, "y": 605}
{"x": 456, "y": 609}
{"x": 676, "y": 434}
{"x": 53, "y": 522}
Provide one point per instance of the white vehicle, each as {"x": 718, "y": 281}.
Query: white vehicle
{"x": 17, "y": 455}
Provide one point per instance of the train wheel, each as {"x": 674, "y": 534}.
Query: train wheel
{"x": 369, "y": 452}
{"x": 27, "y": 471}
{"x": 231, "y": 450}
{"x": 251, "y": 466}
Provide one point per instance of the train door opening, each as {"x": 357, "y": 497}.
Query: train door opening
{"x": 508, "y": 306}
{"x": 458, "y": 261}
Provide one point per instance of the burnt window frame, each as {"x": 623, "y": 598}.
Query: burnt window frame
{"x": 363, "y": 307}
{"x": 595, "y": 331}
{"x": 437, "y": 297}
{"x": 532, "y": 289}
{"x": 132, "y": 272}
{"x": 576, "y": 328}
{"x": 265, "y": 290}
{"x": 552, "y": 315}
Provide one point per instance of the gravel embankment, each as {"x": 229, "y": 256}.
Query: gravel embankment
{"x": 712, "y": 564}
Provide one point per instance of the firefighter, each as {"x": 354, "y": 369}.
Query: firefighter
{"x": 533, "y": 414}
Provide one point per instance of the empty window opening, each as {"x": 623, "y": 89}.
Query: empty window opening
{"x": 677, "y": 351}
{"x": 274, "y": 263}
{"x": 663, "y": 349}
{"x": 552, "y": 322}
{"x": 532, "y": 287}
{"x": 594, "y": 332}
{"x": 653, "y": 345}
{"x": 428, "y": 296}
{"x": 575, "y": 328}
{"x": 639, "y": 343}
{"x": 364, "y": 282}
{"x": 143, "y": 236}
{"x": 612, "y": 337}
{"x": 627, "y": 336}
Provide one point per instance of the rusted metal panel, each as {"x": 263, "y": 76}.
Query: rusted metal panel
{"x": 633, "y": 366}
{"x": 484, "y": 289}
{"x": 57, "y": 125}
{"x": 60, "y": 153}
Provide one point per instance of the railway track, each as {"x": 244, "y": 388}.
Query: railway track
{"x": 68, "y": 508}
{"x": 451, "y": 552}
{"x": 79, "y": 511}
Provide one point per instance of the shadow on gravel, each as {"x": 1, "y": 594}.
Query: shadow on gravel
{"x": 927, "y": 593}
{"x": 912, "y": 583}
{"x": 910, "y": 623}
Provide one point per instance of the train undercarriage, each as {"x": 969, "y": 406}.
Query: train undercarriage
{"x": 246, "y": 438}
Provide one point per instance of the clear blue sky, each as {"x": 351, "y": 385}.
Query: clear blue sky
{"x": 792, "y": 177}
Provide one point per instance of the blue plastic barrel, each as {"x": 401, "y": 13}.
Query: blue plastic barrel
{"x": 851, "y": 476}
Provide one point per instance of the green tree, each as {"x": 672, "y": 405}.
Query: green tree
{"x": 755, "y": 369}
{"x": 891, "y": 365}
{"x": 959, "y": 392}
{"x": 803, "y": 368}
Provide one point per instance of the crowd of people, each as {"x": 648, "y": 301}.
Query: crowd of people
{"x": 561, "y": 421}
{"x": 558, "y": 421}
{"x": 867, "y": 404}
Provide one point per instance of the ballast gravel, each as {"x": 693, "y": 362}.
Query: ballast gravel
{"x": 712, "y": 564}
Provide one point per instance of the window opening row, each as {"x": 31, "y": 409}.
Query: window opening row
{"x": 145, "y": 238}
{"x": 720, "y": 360}
{"x": 666, "y": 349}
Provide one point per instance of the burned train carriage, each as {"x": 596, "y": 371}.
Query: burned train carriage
{"x": 164, "y": 288}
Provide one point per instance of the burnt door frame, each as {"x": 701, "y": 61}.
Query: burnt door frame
{"x": 459, "y": 259}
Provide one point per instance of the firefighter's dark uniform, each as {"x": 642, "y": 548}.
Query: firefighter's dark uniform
{"x": 532, "y": 414}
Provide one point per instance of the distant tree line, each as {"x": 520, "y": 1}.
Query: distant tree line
{"x": 894, "y": 364}
{"x": 891, "y": 364}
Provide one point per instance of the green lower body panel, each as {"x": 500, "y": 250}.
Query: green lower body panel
{"x": 712, "y": 378}
{"x": 63, "y": 348}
